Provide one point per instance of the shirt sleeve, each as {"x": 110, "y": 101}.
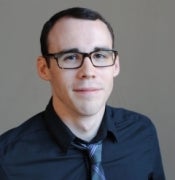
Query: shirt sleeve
{"x": 158, "y": 172}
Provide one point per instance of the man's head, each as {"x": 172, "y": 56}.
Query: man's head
{"x": 76, "y": 12}
{"x": 84, "y": 90}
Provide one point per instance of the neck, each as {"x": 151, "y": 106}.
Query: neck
{"x": 84, "y": 127}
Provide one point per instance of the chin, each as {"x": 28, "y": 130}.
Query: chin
{"x": 91, "y": 110}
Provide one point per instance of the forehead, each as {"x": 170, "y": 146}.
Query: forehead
{"x": 78, "y": 33}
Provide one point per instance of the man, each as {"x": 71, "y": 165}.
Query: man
{"x": 61, "y": 143}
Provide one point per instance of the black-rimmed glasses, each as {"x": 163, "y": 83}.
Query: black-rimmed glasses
{"x": 75, "y": 59}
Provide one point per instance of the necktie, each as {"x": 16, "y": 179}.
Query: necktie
{"x": 94, "y": 152}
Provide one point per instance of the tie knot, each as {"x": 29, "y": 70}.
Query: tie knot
{"x": 94, "y": 150}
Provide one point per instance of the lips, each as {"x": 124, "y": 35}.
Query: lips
{"x": 88, "y": 89}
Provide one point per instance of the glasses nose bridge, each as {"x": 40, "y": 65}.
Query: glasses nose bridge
{"x": 84, "y": 55}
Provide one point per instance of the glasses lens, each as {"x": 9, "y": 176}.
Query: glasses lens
{"x": 70, "y": 60}
{"x": 103, "y": 58}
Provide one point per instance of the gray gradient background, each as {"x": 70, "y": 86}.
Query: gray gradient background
{"x": 146, "y": 44}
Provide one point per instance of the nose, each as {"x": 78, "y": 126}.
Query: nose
{"x": 87, "y": 70}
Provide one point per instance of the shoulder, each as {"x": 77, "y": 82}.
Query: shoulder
{"x": 26, "y": 129}
{"x": 130, "y": 120}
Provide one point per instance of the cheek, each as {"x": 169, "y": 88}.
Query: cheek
{"x": 107, "y": 77}
{"x": 61, "y": 81}
{"x": 109, "y": 84}
{"x": 108, "y": 74}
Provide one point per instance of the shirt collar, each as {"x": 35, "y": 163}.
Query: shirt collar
{"x": 111, "y": 119}
{"x": 64, "y": 137}
{"x": 60, "y": 132}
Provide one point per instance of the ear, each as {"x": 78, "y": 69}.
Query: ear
{"x": 43, "y": 69}
{"x": 116, "y": 67}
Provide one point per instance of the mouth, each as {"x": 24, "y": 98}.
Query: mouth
{"x": 89, "y": 90}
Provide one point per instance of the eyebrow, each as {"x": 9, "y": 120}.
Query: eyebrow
{"x": 101, "y": 48}
{"x": 69, "y": 50}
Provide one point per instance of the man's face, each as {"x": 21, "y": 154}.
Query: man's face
{"x": 83, "y": 91}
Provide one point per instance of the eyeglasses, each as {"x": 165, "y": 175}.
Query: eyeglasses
{"x": 74, "y": 59}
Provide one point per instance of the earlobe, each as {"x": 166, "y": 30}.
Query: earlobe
{"x": 42, "y": 68}
{"x": 117, "y": 67}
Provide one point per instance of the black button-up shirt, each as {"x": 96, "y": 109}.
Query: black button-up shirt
{"x": 41, "y": 149}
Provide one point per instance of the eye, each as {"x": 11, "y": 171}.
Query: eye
{"x": 70, "y": 57}
{"x": 100, "y": 55}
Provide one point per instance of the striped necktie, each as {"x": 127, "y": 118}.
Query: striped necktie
{"x": 94, "y": 152}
